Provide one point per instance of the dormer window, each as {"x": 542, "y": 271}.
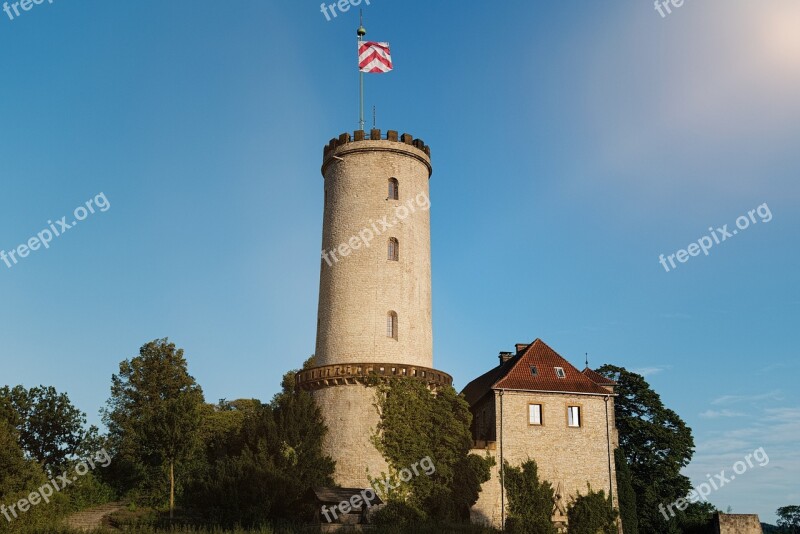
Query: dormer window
{"x": 560, "y": 372}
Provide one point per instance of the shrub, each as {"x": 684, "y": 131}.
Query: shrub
{"x": 592, "y": 513}
{"x": 530, "y": 501}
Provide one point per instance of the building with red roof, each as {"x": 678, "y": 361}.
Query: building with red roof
{"x": 536, "y": 405}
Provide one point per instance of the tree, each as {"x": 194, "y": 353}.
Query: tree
{"x": 592, "y": 513}
{"x": 262, "y": 460}
{"x": 789, "y": 519}
{"x": 657, "y": 445}
{"x": 297, "y": 445}
{"x": 698, "y": 518}
{"x": 530, "y": 501}
{"x": 417, "y": 423}
{"x": 625, "y": 494}
{"x": 50, "y": 428}
{"x": 19, "y": 476}
{"x": 16, "y": 473}
{"x": 153, "y": 413}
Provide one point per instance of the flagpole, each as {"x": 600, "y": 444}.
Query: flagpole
{"x": 361, "y": 33}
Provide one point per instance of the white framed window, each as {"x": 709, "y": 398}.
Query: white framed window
{"x": 560, "y": 372}
{"x": 574, "y": 416}
{"x": 535, "y": 414}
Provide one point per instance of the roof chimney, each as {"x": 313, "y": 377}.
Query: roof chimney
{"x": 522, "y": 346}
{"x": 504, "y": 357}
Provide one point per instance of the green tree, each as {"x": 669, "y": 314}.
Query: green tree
{"x": 697, "y": 518}
{"x": 19, "y": 476}
{"x": 153, "y": 414}
{"x": 657, "y": 445}
{"x": 50, "y": 428}
{"x": 297, "y": 446}
{"x": 789, "y": 519}
{"x": 530, "y": 501}
{"x": 417, "y": 423}
{"x": 16, "y": 472}
{"x": 261, "y": 460}
{"x": 625, "y": 494}
{"x": 592, "y": 513}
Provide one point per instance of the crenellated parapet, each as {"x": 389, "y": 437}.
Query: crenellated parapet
{"x": 392, "y": 141}
{"x": 374, "y": 135}
{"x": 352, "y": 373}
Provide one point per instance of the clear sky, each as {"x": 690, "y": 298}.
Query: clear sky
{"x": 572, "y": 142}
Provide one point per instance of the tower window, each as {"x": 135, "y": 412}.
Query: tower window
{"x": 394, "y": 189}
{"x": 394, "y": 249}
{"x": 391, "y": 325}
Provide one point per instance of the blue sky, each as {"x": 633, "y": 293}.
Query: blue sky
{"x": 572, "y": 143}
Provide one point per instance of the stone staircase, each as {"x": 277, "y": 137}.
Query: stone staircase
{"x": 93, "y": 518}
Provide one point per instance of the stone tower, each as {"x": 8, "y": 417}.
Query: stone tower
{"x": 374, "y": 315}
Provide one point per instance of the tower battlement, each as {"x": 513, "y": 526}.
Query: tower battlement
{"x": 391, "y": 136}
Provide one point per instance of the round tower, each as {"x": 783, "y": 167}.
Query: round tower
{"x": 374, "y": 317}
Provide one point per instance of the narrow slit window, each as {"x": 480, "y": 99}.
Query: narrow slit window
{"x": 394, "y": 189}
{"x": 394, "y": 249}
{"x": 391, "y": 325}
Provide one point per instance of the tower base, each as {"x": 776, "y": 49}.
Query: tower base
{"x": 349, "y": 410}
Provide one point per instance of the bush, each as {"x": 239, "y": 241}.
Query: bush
{"x": 400, "y": 514}
{"x": 417, "y": 424}
{"x": 592, "y": 513}
{"x": 530, "y": 502}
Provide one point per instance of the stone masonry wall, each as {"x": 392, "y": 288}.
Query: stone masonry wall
{"x": 358, "y": 291}
{"x": 351, "y": 417}
{"x": 361, "y": 285}
{"x": 571, "y": 456}
{"x": 737, "y": 524}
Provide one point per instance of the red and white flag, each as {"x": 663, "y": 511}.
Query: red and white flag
{"x": 374, "y": 57}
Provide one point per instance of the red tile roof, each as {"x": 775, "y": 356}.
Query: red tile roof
{"x": 516, "y": 374}
{"x": 597, "y": 378}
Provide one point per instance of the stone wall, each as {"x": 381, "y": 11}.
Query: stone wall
{"x": 359, "y": 290}
{"x": 573, "y": 457}
{"x": 351, "y": 418}
{"x": 360, "y": 286}
{"x": 737, "y": 524}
